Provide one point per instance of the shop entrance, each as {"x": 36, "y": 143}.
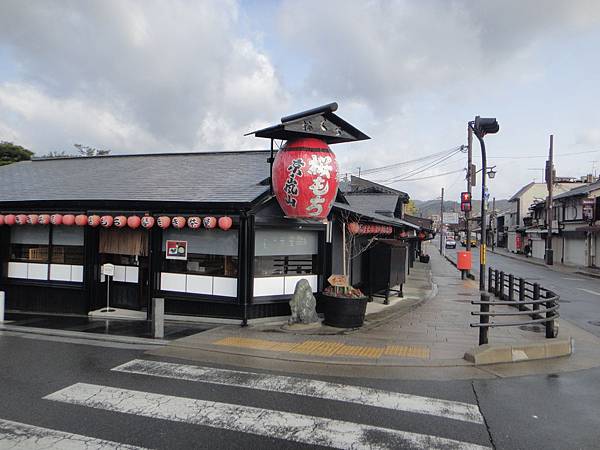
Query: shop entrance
{"x": 127, "y": 250}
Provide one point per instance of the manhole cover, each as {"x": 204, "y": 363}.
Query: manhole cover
{"x": 534, "y": 328}
{"x": 596, "y": 323}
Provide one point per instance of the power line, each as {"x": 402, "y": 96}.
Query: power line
{"x": 404, "y": 163}
{"x": 539, "y": 156}
{"x": 428, "y": 177}
{"x": 422, "y": 169}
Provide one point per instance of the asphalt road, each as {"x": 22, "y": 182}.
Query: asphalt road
{"x": 579, "y": 295}
{"x": 57, "y": 392}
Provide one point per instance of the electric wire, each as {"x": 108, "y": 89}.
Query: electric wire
{"x": 421, "y": 169}
{"x": 404, "y": 163}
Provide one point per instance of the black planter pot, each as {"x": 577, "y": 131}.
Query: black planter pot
{"x": 424, "y": 258}
{"x": 343, "y": 312}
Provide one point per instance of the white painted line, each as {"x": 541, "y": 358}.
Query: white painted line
{"x": 309, "y": 388}
{"x": 573, "y": 279}
{"x": 20, "y": 436}
{"x": 589, "y": 291}
{"x": 246, "y": 419}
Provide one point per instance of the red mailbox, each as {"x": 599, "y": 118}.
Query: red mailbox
{"x": 464, "y": 261}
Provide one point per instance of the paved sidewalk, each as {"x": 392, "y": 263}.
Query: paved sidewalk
{"x": 429, "y": 328}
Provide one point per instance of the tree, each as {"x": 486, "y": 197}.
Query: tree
{"x": 11, "y": 153}
{"x": 411, "y": 208}
{"x": 57, "y": 154}
{"x": 85, "y": 150}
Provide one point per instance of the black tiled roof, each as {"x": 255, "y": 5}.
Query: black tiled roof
{"x": 377, "y": 203}
{"x": 183, "y": 177}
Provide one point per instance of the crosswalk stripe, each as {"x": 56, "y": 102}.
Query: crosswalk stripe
{"x": 21, "y": 436}
{"x": 263, "y": 422}
{"x": 309, "y": 388}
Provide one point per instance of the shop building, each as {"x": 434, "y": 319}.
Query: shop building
{"x": 204, "y": 231}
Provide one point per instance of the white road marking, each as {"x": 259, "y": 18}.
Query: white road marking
{"x": 589, "y": 291}
{"x": 573, "y": 279}
{"x": 309, "y": 388}
{"x": 20, "y": 436}
{"x": 263, "y": 422}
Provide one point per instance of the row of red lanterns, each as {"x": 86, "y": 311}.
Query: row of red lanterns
{"x": 361, "y": 228}
{"x": 224, "y": 223}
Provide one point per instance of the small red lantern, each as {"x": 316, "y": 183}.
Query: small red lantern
{"x": 147, "y": 222}
{"x": 94, "y": 221}
{"x": 56, "y": 219}
{"x": 133, "y": 222}
{"x": 305, "y": 178}
{"x": 21, "y": 219}
{"x": 209, "y": 222}
{"x": 81, "y": 220}
{"x": 1, "y": 219}
{"x": 194, "y": 222}
{"x": 106, "y": 221}
{"x": 68, "y": 219}
{"x": 225, "y": 223}
{"x": 44, "y": 219}
{"x": 120, "y": 221}
{"x": 10, "y": 219}
{"x": 353, "y": 228}
{"x": 178, "y": 222}
{"x": 33, "y": 219}
{"x": 403, "y": 234}
{"x": 421, "y": 236}
{"x": 164, "y": 222}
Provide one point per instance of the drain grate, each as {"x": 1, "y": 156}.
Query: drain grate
{"x": 595, "y": 323}
{"x": 465, "y": 293}
{"x": 534, "y": 328}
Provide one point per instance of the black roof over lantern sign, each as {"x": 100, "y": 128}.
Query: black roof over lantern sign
{"x": 318, "y": 122}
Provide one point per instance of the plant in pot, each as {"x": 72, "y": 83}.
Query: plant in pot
{"x": 343, "y": 305}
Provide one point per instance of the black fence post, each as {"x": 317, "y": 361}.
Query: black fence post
{"x": 551, "y": 331}
{"x": 501, "y": 295}
{"x": 536, "y": 296}
{"x": 496, "y": 283}
{"x": 511, "y": 288}
{"x": 484, "y": 318}
{"x": 522, "y": 294}
{"x": 490, "y": 278}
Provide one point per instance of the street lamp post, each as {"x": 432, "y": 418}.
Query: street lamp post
{"x": 481, "y": 127}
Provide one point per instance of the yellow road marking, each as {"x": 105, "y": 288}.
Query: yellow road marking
{"x": 326, "y": 348}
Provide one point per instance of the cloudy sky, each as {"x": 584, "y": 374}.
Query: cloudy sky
{"x": 160, "y": 76}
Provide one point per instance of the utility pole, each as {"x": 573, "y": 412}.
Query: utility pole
{"x": 549, "y": 215}
{"x": 442, "y": 223}
{"x": 493, "y": 223}
{"x": 469, "y": 186}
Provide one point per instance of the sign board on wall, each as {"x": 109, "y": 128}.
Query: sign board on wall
{"x": 588, "y": 209}
{"x": 451, "y": 218}
{"x": 176, "y": 250}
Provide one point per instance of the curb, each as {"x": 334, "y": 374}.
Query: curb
{"x": 494, "y": 353}
{"x": 83, "y": 335}
{"x": 542, "y": 264}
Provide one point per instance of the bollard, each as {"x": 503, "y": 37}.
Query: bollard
{"x": 551, "y": 331}
{"x": 501, "y": 289}
{"x": 158, "y": 317}
{"x": 484, "y": 319}
{"x": 1, "y": 306}
{"x": 536, "y": 296}
{"x": 490, "y": 278}
{"x": 522, "y": 294}
{"x": 511, "y": 288}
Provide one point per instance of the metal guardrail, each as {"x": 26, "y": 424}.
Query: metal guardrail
{"x": 529, "y": 298}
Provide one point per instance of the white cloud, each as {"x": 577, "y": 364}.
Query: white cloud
{"x": 165, "y": 69}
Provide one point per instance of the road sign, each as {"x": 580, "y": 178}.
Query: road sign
{"x": 450, "y": 218}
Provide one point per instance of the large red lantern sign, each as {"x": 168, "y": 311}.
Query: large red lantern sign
{"x": 305, "y": 178}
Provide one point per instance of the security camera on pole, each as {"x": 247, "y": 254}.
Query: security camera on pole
{"x": 482, "y": 126}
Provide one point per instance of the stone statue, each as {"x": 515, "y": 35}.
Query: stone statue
{"x": 303, "y": 304}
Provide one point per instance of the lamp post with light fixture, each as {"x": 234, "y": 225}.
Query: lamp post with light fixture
{"x": 482, "y": 126}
